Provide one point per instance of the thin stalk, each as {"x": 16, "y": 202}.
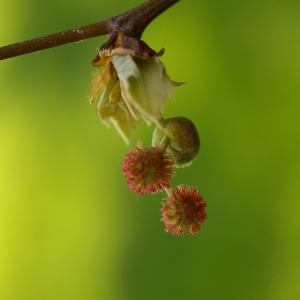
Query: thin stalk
{"x": 164, "y": 143}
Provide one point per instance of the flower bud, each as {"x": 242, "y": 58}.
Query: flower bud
{"x": 184, "y": 141}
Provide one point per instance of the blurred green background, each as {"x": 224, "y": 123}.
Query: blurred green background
{"x": 69, "y": 226}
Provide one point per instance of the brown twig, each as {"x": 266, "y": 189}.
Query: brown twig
{"x": 133, "y": 22}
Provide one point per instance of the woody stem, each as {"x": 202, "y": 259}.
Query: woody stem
{"x": 133, "y": 22}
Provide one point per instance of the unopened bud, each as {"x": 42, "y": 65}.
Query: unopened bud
{"x": 184, "y": 141}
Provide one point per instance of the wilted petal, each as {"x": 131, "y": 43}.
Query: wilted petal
{"x": 105, "y": 111}
{"x": 115, "y": 96}
{"x": 144, "y": 84}
{"x": 124, "y": 122}
{"x": 118, "y": 114}
{"x": 102, "y": 78}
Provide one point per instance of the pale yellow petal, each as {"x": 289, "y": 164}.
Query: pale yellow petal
{"x": 101, "y": 79}
{"x": 115, "y": 96}
{"x": 144, "y": 84}
{"x": 105, "y": 111}
{"x": 118, "y": 114}
{"x": 178, "y": 83}
{"x": 124, "y": 123}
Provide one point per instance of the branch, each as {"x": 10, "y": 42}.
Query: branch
{"x": 133, "y": 22}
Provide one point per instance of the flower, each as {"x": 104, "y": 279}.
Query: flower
{"x": 134, "y": 83}
{"x": 184, "y": 209}
{"x": 147, "y": 169}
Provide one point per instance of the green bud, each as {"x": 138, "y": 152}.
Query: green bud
{"x": 184, "y": 141}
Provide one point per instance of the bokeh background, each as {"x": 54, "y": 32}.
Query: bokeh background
{"x": 69, "y": 226}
